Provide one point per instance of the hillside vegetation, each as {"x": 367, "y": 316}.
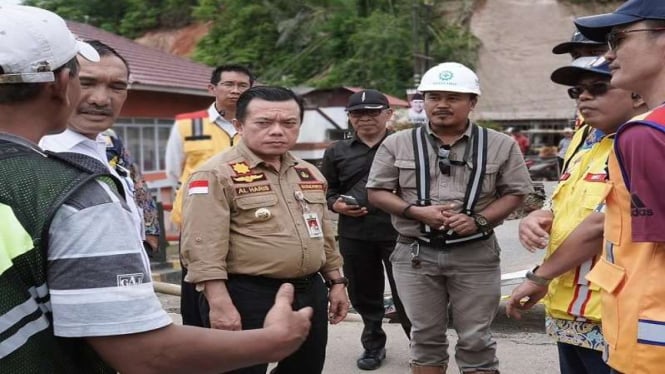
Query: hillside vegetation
{"x": 320, "y": 43}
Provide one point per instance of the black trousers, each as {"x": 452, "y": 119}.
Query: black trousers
{"x": 364, "y": 263}
{"x": 254, "y": 296}
{"x": 189, "y": 302}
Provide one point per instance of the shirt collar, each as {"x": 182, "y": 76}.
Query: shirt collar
{"x": 214, "y": 115}
{"x": 20, "y": 140}
{"x": 253, "y": 160}
{"x": 466, "y": 134}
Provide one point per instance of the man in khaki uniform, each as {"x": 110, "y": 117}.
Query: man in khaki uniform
{"x": 256, "y": 217}
{"x": 453, "y": 187}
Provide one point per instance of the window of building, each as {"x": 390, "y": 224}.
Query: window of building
{"x": 145, "y": 138}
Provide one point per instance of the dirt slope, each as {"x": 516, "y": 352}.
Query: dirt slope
{"x": 516, "y": 60}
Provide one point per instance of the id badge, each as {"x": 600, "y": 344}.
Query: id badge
{"x": 313, "y": 225}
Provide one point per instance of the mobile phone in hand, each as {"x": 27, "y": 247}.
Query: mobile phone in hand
{"x": 349, "y": 200}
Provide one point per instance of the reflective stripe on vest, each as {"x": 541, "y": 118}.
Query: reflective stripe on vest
{"x": 651, "y": 332}
{"x": 479, "y": 157}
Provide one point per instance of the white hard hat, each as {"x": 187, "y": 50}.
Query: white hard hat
{"x": 452, "y": 77}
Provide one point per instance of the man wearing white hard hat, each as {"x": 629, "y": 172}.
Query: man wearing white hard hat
{"x": 75, "y": 290}
{"x": 455, "y": 182}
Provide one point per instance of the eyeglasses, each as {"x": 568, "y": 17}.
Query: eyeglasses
{"x": 445, "y": 162}
{"x": 365, "y": 112}
{"x": 231, "y": 85}
{"x": 615, "y": 37}
{"x": 595, "y": 89}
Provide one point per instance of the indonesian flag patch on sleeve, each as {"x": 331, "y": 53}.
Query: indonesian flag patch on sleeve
{"x": 197, "y": 187}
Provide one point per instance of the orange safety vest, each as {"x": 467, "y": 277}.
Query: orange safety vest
{"x": 201, "y": 139}
{"x": 630, "y": 275}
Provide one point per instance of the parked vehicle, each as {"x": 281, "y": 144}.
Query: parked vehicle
{"x": 543, "y": 168}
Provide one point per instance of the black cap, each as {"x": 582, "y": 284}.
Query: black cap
{"x": 597, "y": 27}
{"x": 576, "y": 41}
{"x": 417, "y": 96}
{"x": 570, "y": 75}
{"x": 367, "y": 99}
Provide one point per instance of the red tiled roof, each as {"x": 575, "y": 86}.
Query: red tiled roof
{"x": 392, "y": 100}
{"x": 151, "y": 69}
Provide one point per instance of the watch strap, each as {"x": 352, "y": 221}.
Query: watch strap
{"x": 341, "y": 280}
{"x": 531, "y": 275}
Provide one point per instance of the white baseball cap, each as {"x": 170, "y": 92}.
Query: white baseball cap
{"x": 34, "y": 42}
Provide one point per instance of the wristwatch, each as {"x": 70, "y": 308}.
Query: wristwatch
{"x": 342, "y": 280}
{"x": 482, "y": 223}
{"x": 531, "y": 275}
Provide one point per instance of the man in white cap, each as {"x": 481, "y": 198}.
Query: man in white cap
{"x": 75, "y": 291}
{"x": 447, "y": 185}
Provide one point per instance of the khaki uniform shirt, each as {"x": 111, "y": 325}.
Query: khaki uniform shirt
{"x": 242, "y": 216}
{"x": 394, "y": 169}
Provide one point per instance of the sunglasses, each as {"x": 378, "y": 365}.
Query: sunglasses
{"x": 445, "y": 163}
{"x": 365, "y": 112}
{"x": 595, "y": 89}
{"x": 615, "y": 37}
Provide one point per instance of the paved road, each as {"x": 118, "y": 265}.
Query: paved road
{"x": 523, "y": 348}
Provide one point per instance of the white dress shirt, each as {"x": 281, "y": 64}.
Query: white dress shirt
{"x": 71, "y": 141}
{"x": 175, "y": 153}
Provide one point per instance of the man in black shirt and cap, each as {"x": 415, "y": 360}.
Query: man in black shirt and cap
{"x": 366, "y": 236}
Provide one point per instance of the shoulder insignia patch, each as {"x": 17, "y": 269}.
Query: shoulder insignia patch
{"x": 240, "y": 168}
{"x": 304, "y": 174}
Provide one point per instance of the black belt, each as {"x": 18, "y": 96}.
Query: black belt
{"x": 437, "y": 243}
{"x": 300, "y": 284}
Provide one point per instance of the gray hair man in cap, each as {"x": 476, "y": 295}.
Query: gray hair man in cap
{"x": 366, "y": 236}
{"x": 630, "y": 270}
{"x": 75, "y": 289}
{"x": 571, "y": 230}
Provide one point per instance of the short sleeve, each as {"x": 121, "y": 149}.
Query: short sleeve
{"x": 98, "y": 273}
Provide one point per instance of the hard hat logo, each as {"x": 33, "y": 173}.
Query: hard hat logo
{"x": 446, "y": 75}
{"x": 450, "y": 76}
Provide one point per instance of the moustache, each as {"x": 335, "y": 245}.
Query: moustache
{"x": 96, "y": 111}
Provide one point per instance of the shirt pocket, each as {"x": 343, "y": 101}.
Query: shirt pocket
{"x": 258, "y": 213}
{"x": 489, "y": 181}
{"x": 316, "y": 201}
{"x": 407, "y": 173}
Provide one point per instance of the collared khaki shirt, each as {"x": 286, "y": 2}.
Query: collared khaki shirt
{"x": 242, "y": 216}
{"x": 394, "y": 169}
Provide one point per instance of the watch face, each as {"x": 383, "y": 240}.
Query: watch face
{"x": 482, "y": 221}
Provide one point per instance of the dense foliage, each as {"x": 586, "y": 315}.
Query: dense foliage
{"x": 320, "y": 43}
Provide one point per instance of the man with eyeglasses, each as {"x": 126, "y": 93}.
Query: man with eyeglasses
{"x": 447, "y": 185}
{"x": 366, "y": 236}
{"x": 571, "y": 230}
{"x": 195, "y": 138}
{"x": 631, "y": 267}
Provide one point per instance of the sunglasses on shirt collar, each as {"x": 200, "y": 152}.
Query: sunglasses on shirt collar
{"x": 445, "y": 162}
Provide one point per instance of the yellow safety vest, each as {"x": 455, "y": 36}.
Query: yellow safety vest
{"x": 630, "y": 275}
{"x": 579, "y": 192}
{"x": 201, "y": 140}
